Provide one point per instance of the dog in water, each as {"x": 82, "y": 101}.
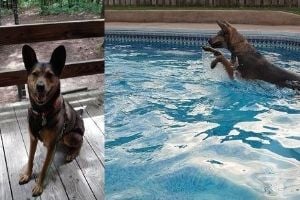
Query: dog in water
{"x": 246, "y": 60}
{"x": 51, "y": 119}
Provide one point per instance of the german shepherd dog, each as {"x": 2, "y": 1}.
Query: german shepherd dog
{"x": 246, "y": 60}
{"x": 51, "y": 119}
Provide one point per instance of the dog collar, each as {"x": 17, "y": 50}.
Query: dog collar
{"x": 56, "y": 105}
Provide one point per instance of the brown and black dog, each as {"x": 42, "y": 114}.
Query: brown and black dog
{"x": 51, "y": 119}
{"x": 246, "y": 60}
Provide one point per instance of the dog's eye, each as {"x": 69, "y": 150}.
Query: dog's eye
{"x": 49, "y": 75}
{"x": 35, "y": 73}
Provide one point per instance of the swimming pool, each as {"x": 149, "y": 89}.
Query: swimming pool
{"x": 175, "y": 129}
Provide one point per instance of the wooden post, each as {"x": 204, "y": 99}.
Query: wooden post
{"x": 21, "y": 88}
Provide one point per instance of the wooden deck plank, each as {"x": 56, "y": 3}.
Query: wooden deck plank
{"x": 92, "y": 169}
{"x": 95, "y": 110}
{"x": 83, "y": 178}
{"x": 90, "y": 164}
{"x": 16, "y": 152}
{"x": 93, "y": 134}
{"x": 5, "y": 192}
{"x": 76, "y": 185}
{"x": 54, "y": 188}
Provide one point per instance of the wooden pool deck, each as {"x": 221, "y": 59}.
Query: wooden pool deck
{"x": 83, "y": 178}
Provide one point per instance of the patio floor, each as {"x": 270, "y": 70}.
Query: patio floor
{"x": 83, "y": 178}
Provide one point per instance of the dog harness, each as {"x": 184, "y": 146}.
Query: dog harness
{"x": 43, "y": 116}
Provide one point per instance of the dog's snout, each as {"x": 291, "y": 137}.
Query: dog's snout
{"x": 40, "y": 86}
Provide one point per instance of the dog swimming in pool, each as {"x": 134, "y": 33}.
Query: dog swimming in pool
{"x": 246, "y": 60}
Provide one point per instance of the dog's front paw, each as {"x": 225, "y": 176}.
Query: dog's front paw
{"x": 206, "y": 48}
{"x": 24, "y": 178}
{"x": 71, "y": 156}
{"x": 37, "y": 190}
{"x": 212, "y": 50}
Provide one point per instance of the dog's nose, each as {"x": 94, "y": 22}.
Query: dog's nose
{"x": 40, "y": 87}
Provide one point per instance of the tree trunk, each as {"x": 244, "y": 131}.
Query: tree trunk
{"x": 15, "y": 10}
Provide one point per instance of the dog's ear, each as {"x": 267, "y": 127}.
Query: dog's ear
{"x": 29, "y": 57}
{"x": 227, "y": 24}
{"x": 58, "y": 60}
{"x": 223, "y": 26}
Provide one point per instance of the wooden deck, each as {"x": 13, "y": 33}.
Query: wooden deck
{"x": 83, "y": 178}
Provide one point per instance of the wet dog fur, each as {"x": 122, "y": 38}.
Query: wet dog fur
{"x": 247, "y": 60}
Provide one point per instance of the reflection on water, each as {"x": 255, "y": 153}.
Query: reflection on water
{"x": 176, "y": 128}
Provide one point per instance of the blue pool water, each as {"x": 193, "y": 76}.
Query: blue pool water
{"x": 175, "y": 129}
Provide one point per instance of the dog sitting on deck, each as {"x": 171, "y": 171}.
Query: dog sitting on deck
{"x": 51, "y": 119}
{"x": 246, "y": 60}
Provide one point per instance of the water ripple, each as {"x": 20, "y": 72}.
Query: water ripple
{"x": 174, "y": 126}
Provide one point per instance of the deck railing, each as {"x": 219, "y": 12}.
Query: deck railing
{"x": 28, "y": 33}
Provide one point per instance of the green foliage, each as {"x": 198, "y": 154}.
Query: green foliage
{"x": 4, "y": 12}
{"x": 28, "y": 3}
{"x": 50, "y": 7}
{"x": 57, "y": 8}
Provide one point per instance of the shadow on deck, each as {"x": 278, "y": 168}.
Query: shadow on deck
{"x": 83, "y": 178}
